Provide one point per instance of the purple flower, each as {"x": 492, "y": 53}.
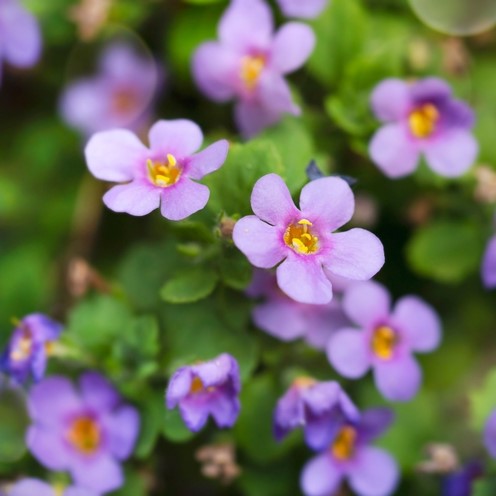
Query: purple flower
{"x": 286, "y": 319}
{"x": 117, "y": 96}
{"x": 35, "y": 487}
{"x": 249, "y": 62}
{"x": 29, "y": 345}
{"x": 488, "y": 269}
{"x": 87, "y": 432}
{"x": 421, "y": 118}
{"x": 303, "y": 238}
{"x": 370, "y": 471}
{"x": 320, "y": 408}
{"x": 307, "y": 9}
{"x": 20, "y": 37}
{"x": 490, "y": 434}
{"x": 386, "y": 339}
{"x": 163, "y": 175}
{"x": 460, "y": 483}
{"x": 207, "y": 388}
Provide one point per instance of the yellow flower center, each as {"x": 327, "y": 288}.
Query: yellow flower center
{"x": 251, "y": 70}
{"x": 299, "y": 236}
{"x": 164, "y": 174}
{"x": 423, "y": 120}
{"x": 23, "y": 348}
{"x": 343, "y": 446}
{"x": 384, "y": 341}
{"x": 304, "y": 382}
{"x": 84, "y": 434}
{"x": 197, "y": 386}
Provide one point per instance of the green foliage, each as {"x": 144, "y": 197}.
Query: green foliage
{"x": 189, "y": 286}
{"x": 14, "y": 421}
{"x": 483, "y": 401}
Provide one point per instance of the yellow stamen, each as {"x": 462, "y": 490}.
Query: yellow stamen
{"x": 384, "y": 341}
{"x": 300, "y": 237}
{"x": 343, "y": 446}
{"x": 304, "y": 382}
{"x": 251, "y": 70}
{"x": 23, "y": 349}
{"x": 197, "y": 386}
{"x": 423, "y": 120}
{"x": 84, "y": 435}
{"x": 164, "y": 174}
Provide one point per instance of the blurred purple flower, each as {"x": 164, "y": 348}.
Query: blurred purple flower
{"x": 35, "y": 487}
{"x": 119, "y": 95}
{"x": 320, "y": 408}
{"x": 163, "y": 175}
{"x": 490, "y": 434}
{"x": 20, "y": 37}
{"x": 370, "y": 471}
{"x": 87, "y": 432}
{"x": 422, "y": 117}
{"x": 286, "y": 319}
{"x": 29, "y": 345}
{"x": 386, "y": 339}
{"x": 460, "y": 483}
{"x": 207, "y": 388}
{"x": 249, "y": 62}
{"x": 488, "y": 269}
{"x": 304, "y": 238}
{"x": 305, "y": 9}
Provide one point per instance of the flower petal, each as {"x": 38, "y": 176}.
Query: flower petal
{"x": 134, "y": 198}
{"x": 320, "y": 477}
{"x": 218, "y": 371}
{"x": 225, "y": 410}
{"x": 391, "y": 100}
{"x": 183, "y": 199}
{"x": 419, "y": 323}
{"x": 308, "y": 9}
{"x": 179, "y": 386}
{"x": 101, "y": 473}
{"x": 274, "y": 95}
{"x": 490, "y": 434}
{"x": 374, "y": 422}
{"x": 488, "y": 269}
{"x": 114, "y": 155}
{"x": 348, "y": 353}
{"x": 431, "y": 89}
{"x": 398, "y": 379}
{"x": 48, "y": 447}
{"x": 98, "y": 393}
{"x": 208, "y": 160}
{"x": 31, "y": 487}
{"x": 194, "y": 413}
{"x": 179, "y": 137}
{"x": 122, "y": 428}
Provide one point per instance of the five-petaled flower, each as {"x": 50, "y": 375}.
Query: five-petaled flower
{"x": 249, "y": 62}
{"x": 307, "y": 9}
{"x": 163, "y": 175}
{"x": 206, "y": 388}
{"x": 304, "y": 237}
{"x": 422, "y": 117}
{"x": 87, "y": 432}
{"x": 35, "y": 487}
{"x": 386, "y": 339}
{"x": 370, "y": 471}
{"x": 28, "y": 348}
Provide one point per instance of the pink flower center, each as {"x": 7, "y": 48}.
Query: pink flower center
{"x": 343, "y": 446}
{"x": 423, "y": 120}
{"x": 23, "y": 348}
{"x": 300, "y": 237}
{"x": 124, "y": 101}
{"x": 164, "y": 174}
{"x": 251, "y": 69}
{"x": 384, "y": 341}
{"x": 84, "y": 434}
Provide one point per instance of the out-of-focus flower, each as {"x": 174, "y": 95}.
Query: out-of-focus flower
{"x": 28, "y": 348}
{"x": 386, "y": 340}
{"x": 90, "y": 16}
{"x": 249, "y": 62}
{"x": 442, "y": 459}
{"x": 370, "y": 471}
{"x": 35, "y": 487}
{"x": 20, "y": 37}
{"x": 320, "y": 408}
{"x": 307, "y": 9}
{"x": 421, "y": 118}
{"x": 485, "y": 189}
{"x": 87, "y": 432}
{"x": 207, "y": 388}
{"x": 456, "y": 57}
{"x": 163, "y": 175}
{"x": 219, "y": 462}
{"x": 119, "y": 95}
{"x": 304, "y": 239}
{"x": 490, "y": 434}
{"x": 460, "y": 483}
{"x": 488, "y": 268}
{"x": 286, "y": 319}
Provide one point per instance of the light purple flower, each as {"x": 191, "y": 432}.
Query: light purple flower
{"x": 488, "y": 269}
{"x": 207, "y": 388}
{"x": 119, "y": 95}
{"x": 249, "y": 62}
{"x": 20, "y": 37}
{"x": 304, "y": 9}
{"x": 87, "y": 432}
{"x": 320, "y": 408}
{"x": 303, "y": 239}
{"x": 421, "y": 118}
{"x": 162, "y": 175}
{"x": 29, "y": 345}
{"x": 386, "y": 339}
{"x": 370, "y": 471}
{"x": 286, "y": 319}
{"x": 35, "y": 487}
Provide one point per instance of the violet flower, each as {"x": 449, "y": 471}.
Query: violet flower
{"x": 35, "y": 487}
{"x": 28, "y": 348}
{"x": 163, "y": 175}
{"x": 303, "y": 239}
{"x": 421, "y": 118}
{"x": 386, "y": 339}
{"x": 20, "y": 37}
{"x": 86, "y": 432}
{"x": 307, "y": 9}
{"x": 461, "y": 482}
{"x": 320, "y": 408}
{"x": 249, "y": 63}
{"x": 490, "y": 434}
{"x": 119, "y": 95}
{"x": 488, "y": 268}
{"x": 370, "y": 471}
{"x": 206, "y": 388}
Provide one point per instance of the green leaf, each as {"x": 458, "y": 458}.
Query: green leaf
{"x": 134, "y": 485}
{"x": 173, "y": 427}
{"x": 152, "y": 419}
{"x": 235, "y": 270}
{"x": 484, "y": 487}
{"x": 483, "y": 401}
{"x": 190, "y": 285}
{"x": 14, "y": 421}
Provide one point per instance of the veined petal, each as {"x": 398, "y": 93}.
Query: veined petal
{"x": 134, "y": 198}
{"x": 398, "y": 379}
{"x": 320, "y": 476}
{"x": 348, "y": 353}
{"x": 179, "y": 137}
{"x": 208, "y": 160}
{"x": 391, "y": 100}
{"x": 183, "y": 199}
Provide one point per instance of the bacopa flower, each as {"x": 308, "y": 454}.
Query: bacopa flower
{"x": 386, "y": 340}
{"x": 163, "y": 175}
{"x": 35, "y": 487}
{"x": 28, "y": 348}
{"x": 370, "y": 471}
{"x": 206, "y": 388}
{"x": 249, "y": 62}
{"x": 421, "y": 118}
{"x": 87, "y": 432}
{"x": 20, "y": 37}
{"x": 488, "y": 268}
{"x": 304, "y": 237}
{"x": 119, "y": 95}
{"x": 320, "y": 408}
{"x": 307, "y": 9}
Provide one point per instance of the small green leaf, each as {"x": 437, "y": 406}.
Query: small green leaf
{"x": 14, "y": 421}
{"x": 190, "y": 285}
{"x": 151, "y": 424}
